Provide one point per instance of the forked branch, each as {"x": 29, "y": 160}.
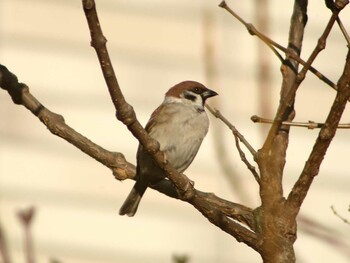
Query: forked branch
{"x": 326, "y": 134}
{"x": 273, "y": 45}
{"x": 208, "y": 204}
{"x": 126, "y": 114}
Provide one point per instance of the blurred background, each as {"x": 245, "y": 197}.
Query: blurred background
{"x": 155, "y": 44}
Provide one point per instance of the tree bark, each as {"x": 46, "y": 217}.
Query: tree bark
{"x": 278, "y": 231}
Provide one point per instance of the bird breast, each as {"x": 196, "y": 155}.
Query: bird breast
{"x": 180, "y": 130}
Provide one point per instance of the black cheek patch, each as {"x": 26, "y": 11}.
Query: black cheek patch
{"x": 190, "y": 96}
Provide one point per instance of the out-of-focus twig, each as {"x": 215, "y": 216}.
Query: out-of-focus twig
{"x": 325, "y": 234}
{"x": 346, "y": 221}
{"x": 26, "y": 216}
{"x": 310, "y": 124}
{"x": 4, "y": 252}
{"x": 181, "y": 258}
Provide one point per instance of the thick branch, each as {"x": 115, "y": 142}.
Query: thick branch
{"x": 113, "y": 160}
{"x": 124, "y": 111}
{"x": 21, "y": 95}
{"x": 209, "y": 204}
{"x": 327, "y": 132}
{"x": 126, "y": 114}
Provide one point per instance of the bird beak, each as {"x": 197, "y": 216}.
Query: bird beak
{"x": 208, "y": 93}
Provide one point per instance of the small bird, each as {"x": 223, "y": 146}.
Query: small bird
{"x": 179, "y": 124}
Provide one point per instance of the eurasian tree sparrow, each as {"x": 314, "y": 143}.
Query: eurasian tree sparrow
{"x": 179, "y": 124}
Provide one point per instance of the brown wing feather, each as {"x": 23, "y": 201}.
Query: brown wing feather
{"x": 152, "y": 120}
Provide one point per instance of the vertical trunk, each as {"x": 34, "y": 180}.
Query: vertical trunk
{"x": 276, "y": 227}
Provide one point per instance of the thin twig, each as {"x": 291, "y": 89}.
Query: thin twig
{"x": 271, "y": 44}
{"x": 333, "y": 5}
{"x": 250, "y": 167}
{"x": 343, "y": 30}
{"x": 238, "y": 137}
{"x": 253, "y": 31}
{"x": 310, "y": 124}
{"x": 346, "y": 221}
{"x": 235, "y": 132}
{"x": 321, "y": 44}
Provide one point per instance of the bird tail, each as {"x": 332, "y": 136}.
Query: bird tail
{"x": 131, "y": 203}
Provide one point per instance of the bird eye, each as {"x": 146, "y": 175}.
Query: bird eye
{"x": 196, "y": 90}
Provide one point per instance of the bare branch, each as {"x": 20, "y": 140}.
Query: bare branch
{"x": 240, "y": 137}
{"x": 208, "y": 204}
{"x": 115, "y": 161}
{"x": 254, "y": 32}
{"x": 124, "y": 111}
{"x": 340, "y": 5}
{"x": 26, "y": 216}
{"x": 21, "y": 95}
{"x": 321, "y": 44}
{"x": 310, "y": 124}
{"x": 327, "y": 132}
{"x": 272, "y": 45}
{"x": 235, "y": 132}
{"x": 250, "y": 167}
{"x": 343, "y": 30}
{"x": 4, "y": 251}
{"x": 126, "y": 114}
{"x": 346, "y": 221}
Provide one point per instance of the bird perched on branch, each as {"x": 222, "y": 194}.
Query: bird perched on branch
{"x": 179, "y": 124}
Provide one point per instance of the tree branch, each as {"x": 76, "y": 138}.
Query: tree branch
{"x": 26, "y": 216}
{"x": 124, "y": 111}
{"x": 220, "y": 212}
{"x": 126, "y": 114}
{"x": 274, "y": 45}
{"x": 238, "y": 138}
{"x": 310, "y": 124}
{"x": 55, "y": 123}
{"x": 326, "y": 134}
{"x": 121, "y": 168}
{"x": 346, "y": 221}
